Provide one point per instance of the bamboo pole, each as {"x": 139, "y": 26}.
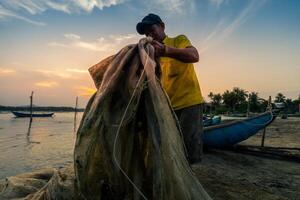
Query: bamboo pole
{"x": 75, "y": 114}
{"x": 248, "y": 106}
{"x": 269, "y": 108}
{"x": 30, "y": 121}
{"x": 31, "y": 100}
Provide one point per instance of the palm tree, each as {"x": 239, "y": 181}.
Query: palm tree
{"x": 215, "y": 99}
{"x": 253, "y": 101}
{"x": 280, "y": 98}
{"x": 230, "y": 99}
{"x": 240, "y": 95}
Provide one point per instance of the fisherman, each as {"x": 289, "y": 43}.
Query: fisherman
{"x": 176, "y": 56}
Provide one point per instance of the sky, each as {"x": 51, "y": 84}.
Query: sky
{"x": 47, "y": 46}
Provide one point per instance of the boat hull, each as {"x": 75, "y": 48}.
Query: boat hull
{"x": 20, "y": 114}
{"x": 228, "y": 134}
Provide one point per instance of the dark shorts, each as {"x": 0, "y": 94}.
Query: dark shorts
{"x": 190, "y": 119}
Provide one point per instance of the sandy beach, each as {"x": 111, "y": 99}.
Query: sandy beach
{"x": 223, "y": 174}
{"x": 232, "y": 175}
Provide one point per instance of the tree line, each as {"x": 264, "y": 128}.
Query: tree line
{"x": 239, "y": 100}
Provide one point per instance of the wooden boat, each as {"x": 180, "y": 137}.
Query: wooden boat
{"x": 21, "y": 114}
{"x": 216, "y": 120}
{"x": 231, "y": 133}
{"x": 209, "y": 121}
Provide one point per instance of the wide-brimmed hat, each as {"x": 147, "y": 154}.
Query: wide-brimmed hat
{"x": 147, "y": 21}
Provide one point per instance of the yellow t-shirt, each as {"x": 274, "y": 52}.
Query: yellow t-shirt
{"x": 178, "y": 78}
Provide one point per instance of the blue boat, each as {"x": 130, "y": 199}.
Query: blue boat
{"x": 216, "y": 120}
{"x": 21, "y": 114}
{"x": 209, "y": 121}
{"x": 231, "y": 133}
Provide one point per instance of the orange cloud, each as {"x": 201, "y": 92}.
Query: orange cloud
{"x": 47, "y": 84}
{"x": 85, "y": 91}
{"x": 6, "y": 71}
{"x": 77, "y": 70}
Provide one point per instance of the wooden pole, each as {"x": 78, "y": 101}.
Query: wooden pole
{"x": 270, "y": 104}
{"x": 30, "y": 121}
{"x": 31, "y": 100}
{"x": 263, "y": 138}
{"x": 248, "y": 106}
{"x": 75, "y": 114}
{"x": 269, "y": 108}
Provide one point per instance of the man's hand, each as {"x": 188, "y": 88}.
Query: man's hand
{"x": 186, "y": 55}
{"x": 160, "y": 49}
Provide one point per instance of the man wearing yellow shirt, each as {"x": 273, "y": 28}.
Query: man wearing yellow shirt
{"x": 179, "y": 80}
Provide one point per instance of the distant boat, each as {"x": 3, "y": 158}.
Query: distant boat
{"x": 231, "y": 133}
{"x": 21, "y": 114}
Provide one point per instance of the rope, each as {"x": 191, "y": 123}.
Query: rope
{"x": 120, "y": 125}
{"x": 118, "y": 132}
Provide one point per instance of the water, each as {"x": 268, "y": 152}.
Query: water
{"x": 49, "y": 142}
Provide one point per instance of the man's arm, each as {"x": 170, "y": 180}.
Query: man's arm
{"x": 187, "y": 55}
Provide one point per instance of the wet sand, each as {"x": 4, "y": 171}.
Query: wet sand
{"x": 232, "y": 175}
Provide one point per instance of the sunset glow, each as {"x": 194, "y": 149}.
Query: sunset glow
{"x": 47, "y": 46}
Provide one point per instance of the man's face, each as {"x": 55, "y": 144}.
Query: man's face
{"x": 156, "y": 31}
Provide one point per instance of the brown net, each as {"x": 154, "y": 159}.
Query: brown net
{"x": 128, "y": 144}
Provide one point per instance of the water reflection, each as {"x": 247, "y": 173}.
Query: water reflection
{"x": 28, "y": 134}
{"x": 30, "y": 144}
{"x": 28, "y": 131}
{"x": 29, "y": 127}
{"x": 75, "y": 122}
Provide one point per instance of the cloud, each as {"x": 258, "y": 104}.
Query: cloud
{"x": 85, "y": 91}
{"x": 57, "y": 44}
{"x": 72, "y": 36}
{"x": 109, "y": 44}
{"x": 5, "y": 13}
{"x": 77, "y": 70}
{"x": 17, "y": 9}
{"x": 34, "y": 7}
{"x": 6, "y": 71}
{"x": 67, "y": 73}
{"x": 171, "y": 6}
{"x": 223, "y": 30}
{"x": 46, "y": 84}
{"x": 217, "y": 3}
{"x": 53, "y": 73}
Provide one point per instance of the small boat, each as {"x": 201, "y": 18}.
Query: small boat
{"x": 216, "y": 120}
{"x": 21, "y": 114}
{"x": 209, "y": 121}
{"x": 231, "y": 133}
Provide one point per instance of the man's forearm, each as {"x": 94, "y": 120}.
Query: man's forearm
{"x": 187, "y": 55}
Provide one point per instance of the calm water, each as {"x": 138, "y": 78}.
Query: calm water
{"x": 49, "y": 142}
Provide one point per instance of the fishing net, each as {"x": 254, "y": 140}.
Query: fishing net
{"x": 128, "y": 143}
